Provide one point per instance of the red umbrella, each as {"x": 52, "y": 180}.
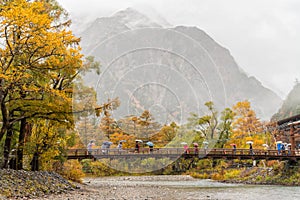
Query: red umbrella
{"x": 232, "y": 144}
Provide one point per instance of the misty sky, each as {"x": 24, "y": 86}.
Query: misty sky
{"x": 262, "y": 35}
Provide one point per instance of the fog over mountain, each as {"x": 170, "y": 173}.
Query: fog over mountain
{"x": 290, "y": 106}
{"x": 171, "y": 71}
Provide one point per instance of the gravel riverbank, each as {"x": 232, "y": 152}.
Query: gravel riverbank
{"x": 128, "y": 187}
{"x": 47, "y": 185}
{"x": 21, "y": 184}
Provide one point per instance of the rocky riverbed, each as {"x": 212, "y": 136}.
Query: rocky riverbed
{"x": 128, "y": 187}
{"x": 173, "y": 188}
{"x": 23, "y": 184}
{"x": 45, "y": 185}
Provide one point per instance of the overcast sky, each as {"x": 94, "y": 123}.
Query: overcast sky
{"x": 262, "y": 35}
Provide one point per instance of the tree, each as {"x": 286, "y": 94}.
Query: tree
{"x": 84, "y": 103}
{"x": 207, "y": 124}
{"x": 108, "y": 125}
{"x": 225, "y": 127}
{"x": 46, "y": 141}
{"x": 246, "y": 126}
{"x": 166, "y": 134}
{"x": 118, "y": 136}
{"x": 40, "y": 59}
{"x": 87, "y": 129}
{"x": 129, "y": 125}
{"x": 146, "y": 121}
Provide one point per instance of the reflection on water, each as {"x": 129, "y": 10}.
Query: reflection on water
{"x": 208, "y": 189}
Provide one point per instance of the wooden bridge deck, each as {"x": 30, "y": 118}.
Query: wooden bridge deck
{"x": 173, "y": 153}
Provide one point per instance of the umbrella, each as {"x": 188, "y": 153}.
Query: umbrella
{"x": 278, "y": 142}
{"x": 122, "y": 141}
{"x": 150, "y": 144}
{"x": 249, "y": 142}
{"x": 232, "y": 144}
{"x": 184, "y": 143}
{"x": 107, "y": 143}
{"x": 289, "y": 144}
{"x": 265, "y": 145}
{"x": 205, "y": 142}
{"x": 195, "y": 144}
{"x": 139, "y": 140}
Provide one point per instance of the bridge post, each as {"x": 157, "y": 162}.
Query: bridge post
{"x": 292, "y": 136}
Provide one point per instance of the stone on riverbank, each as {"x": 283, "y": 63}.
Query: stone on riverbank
{"x": 26, "y": 184}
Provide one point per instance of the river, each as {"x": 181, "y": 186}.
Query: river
{"x": 186, "y": 187}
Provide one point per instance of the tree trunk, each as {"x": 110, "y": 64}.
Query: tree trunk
{"x": 7, "y": 146}
{"x": 35, "y": 162}
{"x": 21, "y": 144}
{"x": 4, "y": 115}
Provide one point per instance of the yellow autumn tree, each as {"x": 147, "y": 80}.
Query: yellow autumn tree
{"x": 128, "y": 140}
{"x": 246, "y": 127}
{"x": 47, "y": 140}
{"x": 108, "y": 124}
{"x": 165, "y": 135}
{"x": 40, "y": 58}
{"x": 147, "y": 125}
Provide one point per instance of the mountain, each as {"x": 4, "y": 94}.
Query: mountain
{"x": 290, "y": 106}
{"x": 169, "y": 71}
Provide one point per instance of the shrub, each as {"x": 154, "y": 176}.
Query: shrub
{"x": 99, "y": 168}
{"x": 231, "y": 174}
{"x": 259, "y": 178}
{"x": 221, "y": 164}
{"x": 204, "y": 164}
{"x": 248, "y": 172}
{"x": 72, "y": 170}
{"x": 217, "y": 176}
{"x": 271, "y": 163}
{"x": 86, "y": 165}
{"x": 200, "y": 176}
{"x": 279, "y": 166}
{"x": 268, "y": 179}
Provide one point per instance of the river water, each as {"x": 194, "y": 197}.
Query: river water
{"x": 215, "y": 190}
{"x": 190, "y": 188}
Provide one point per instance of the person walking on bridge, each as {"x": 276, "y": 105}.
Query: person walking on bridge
{"x": 90, "y": 147}
{"x": 120, "y": 146}
{"x": 137, "y": 147}
{"x": 251, "y": 149}
{"x": 234, "y": 149}
{"x": 196, "y": 149}
{"x": 186, "y": 149}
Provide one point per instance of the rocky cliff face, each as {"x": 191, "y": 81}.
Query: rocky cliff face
{"x": 170, "y": 71}
{"x": 290, "y": 106}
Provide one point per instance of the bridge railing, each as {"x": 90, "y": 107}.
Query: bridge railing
{"x": 178, "y": 151}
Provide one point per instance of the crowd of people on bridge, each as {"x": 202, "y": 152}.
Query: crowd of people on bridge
{"x": 282, "y": 148}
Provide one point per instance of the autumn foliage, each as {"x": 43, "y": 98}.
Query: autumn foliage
{"x": 246, "y": 127}
{"x": 40, "y": 59}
